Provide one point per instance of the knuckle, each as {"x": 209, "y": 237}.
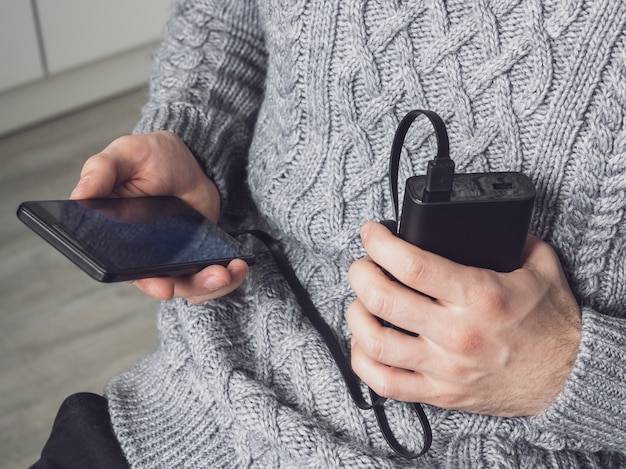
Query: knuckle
{"x": 154, "y": 289}
{"x": 490, "y": 295}
{"x": 378, "y": 301}
{"x": 415, "y": 269}
{"x": 133, "y": 144}
{"x": 384, "y": 387}
{"x": 375, "y": 291}
{"x": 124, "y": 141}
{"x": 95, "y": 160}
{"x": 373, "y": 347}
{"x": 464, "y": 341}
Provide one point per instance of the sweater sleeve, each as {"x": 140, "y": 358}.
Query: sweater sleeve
{"x": 590, "y": 412}
{"x": 207, "y": 83}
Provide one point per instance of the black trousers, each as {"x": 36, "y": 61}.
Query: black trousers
{"x": 82, "y": 437}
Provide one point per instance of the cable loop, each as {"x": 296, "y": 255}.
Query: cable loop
{"x": 353, "y": 383}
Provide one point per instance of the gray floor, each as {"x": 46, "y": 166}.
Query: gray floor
{"x": 60, "y": 331}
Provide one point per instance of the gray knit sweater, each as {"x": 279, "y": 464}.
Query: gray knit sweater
{"x": 291, "y": 107}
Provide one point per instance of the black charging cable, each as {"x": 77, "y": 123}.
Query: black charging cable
{"x": 440, "y": 170}
{"x": 353, "y": 383}
{"x": 438, "y": 187}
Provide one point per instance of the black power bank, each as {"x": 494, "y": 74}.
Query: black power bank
{"x": 484, "y": 224}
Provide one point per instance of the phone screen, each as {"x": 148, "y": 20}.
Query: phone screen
{"x": 131, "y": 238}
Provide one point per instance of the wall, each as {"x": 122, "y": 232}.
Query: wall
{"x": 59, "y": 55}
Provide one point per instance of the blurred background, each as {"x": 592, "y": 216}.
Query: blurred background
{"x": 73, "y": 77}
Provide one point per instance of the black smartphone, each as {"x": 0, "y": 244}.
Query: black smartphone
{"x": 121, "y": 239}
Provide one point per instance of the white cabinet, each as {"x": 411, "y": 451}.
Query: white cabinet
{"x": 76, "y": 32}
{"x": 58, "y": 55}
{"x": 19, "y": 52}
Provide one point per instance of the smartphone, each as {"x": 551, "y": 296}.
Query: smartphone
{"x": 120, "y": 239}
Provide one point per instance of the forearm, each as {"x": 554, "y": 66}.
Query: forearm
{"x": 207, "y": 83}
{"x": 590, "y": 413}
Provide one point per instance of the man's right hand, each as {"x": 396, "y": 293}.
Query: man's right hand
{"x": 161, "y": 164}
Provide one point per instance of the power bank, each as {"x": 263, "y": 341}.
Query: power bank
{"x": 484, "y": 224}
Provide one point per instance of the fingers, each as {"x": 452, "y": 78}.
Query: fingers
{"x": 390, "y": 382}
{"x": 211, "y": 283}
{"x": 98, "y": 178}
{"x": 394, "y": 302}
{"x": 158, "y": 163}
{"x": 104, "y": 173}
{"x": 386, "y": 359}
{"x": 216, "y": 285}
{"x": 382, "y": 344}
{"x": 421, "y": 270}
{"x": 482, "y": 342}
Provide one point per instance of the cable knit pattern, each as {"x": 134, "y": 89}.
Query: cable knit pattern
{"x": 291, "y": 107}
